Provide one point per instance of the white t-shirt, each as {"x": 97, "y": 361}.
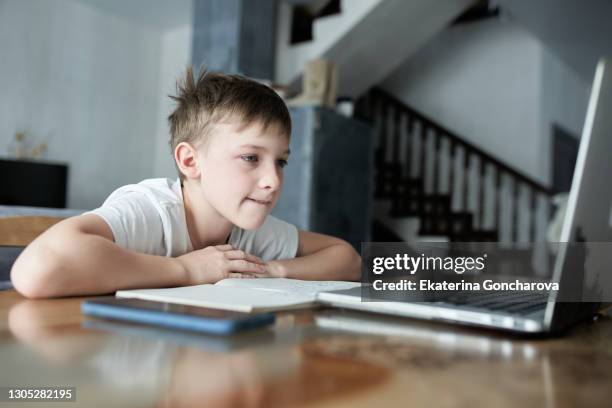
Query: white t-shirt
{"x": 149, "y": 217}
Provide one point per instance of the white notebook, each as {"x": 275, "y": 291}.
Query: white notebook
{"x": 243, "y": 295}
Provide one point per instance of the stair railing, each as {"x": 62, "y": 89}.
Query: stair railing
{"x": 411, "y": 145}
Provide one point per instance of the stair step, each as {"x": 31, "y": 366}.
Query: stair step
{"x": 389, "y": 183}
{"x": 476, "y": 236}
{"x": 431, "y": 226}
{"x": 406, "y": 201}
{"x": 450, "y": 224}
{"x": 334, "y": 39}
{"x": 382, "y": 233}
{"x": 420, "y": 205}
{"x": 461, "y": 222}
{"x": 410, "y": 187}
{"x": 436, "y": 204}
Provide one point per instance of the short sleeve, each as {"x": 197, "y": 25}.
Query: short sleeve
{"x": 135, "y": 223}
{"x": 275, "y": 239}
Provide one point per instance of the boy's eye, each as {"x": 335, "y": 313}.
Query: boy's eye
{"x": 281, "y": 163}
{"x": 251, "y": 158}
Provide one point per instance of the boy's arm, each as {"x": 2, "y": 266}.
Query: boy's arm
{"x": 319, "y": 257}
{"x": 78, "y": 257}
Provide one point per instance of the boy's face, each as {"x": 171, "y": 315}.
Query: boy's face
{"x": 242, "y": 171}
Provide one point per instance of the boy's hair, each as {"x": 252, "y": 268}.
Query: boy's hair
{"x": 214, "y": 97}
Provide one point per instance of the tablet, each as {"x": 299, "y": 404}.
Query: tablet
{"x": 175, "y": 316}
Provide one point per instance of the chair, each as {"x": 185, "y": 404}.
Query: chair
{"x": 20, "y": 231}
{"x": 15, "y": 234}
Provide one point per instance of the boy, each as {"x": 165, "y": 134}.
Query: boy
{"x": 230, "y": 138}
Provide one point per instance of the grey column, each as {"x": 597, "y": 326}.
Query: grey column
{"x": 328, "y": 186}
{"x": 235, "y": 36}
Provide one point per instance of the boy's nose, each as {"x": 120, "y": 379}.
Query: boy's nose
{"x": 270, "y": 180}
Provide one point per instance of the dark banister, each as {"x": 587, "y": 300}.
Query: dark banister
{"x": 474, "y": 164}
{"x": 380, "y": 94}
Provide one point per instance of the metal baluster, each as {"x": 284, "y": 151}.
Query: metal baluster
{"x": 396, "y": 117}
{"x": 515, "y": 208}
{"x": 451, "y": 169}
{"x": 481, "y": 192}
{"x": 498, "y": 179}
{"x": 533, "y": 219}
{"x": 395, "y": 158}
{"x": 436, "y": 161}
{"x": 383, "y": 149}
{"x": 410, "y": 128}
{"x": 383, "y": 131}
{"x": 423, "y": 153}
{"x": 466, "y": 166}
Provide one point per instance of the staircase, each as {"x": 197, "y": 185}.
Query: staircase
{"x": 366, "y": 41}
{"x": 454, "y": 190}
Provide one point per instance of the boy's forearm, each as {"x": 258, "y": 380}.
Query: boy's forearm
{"x": 89, "y": 265}
{"x": 337, "y": 262}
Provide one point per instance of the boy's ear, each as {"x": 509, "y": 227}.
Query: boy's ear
{"x": 186, "y": 159}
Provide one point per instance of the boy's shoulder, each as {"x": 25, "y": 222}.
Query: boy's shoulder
{"x": 158, "y": 190}
{"x": 148, "y": 217}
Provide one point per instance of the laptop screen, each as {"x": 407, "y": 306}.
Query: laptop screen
{"x": 583, "y": 267}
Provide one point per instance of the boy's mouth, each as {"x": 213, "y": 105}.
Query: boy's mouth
{"x": 262, "y": 202}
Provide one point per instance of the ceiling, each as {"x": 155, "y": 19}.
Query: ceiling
{"x": 577, "y": 31}
{"x": 158, "y": 14}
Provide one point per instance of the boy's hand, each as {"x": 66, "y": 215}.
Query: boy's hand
{"x": 214, "y": 263}
{"x": 274, "y": 269}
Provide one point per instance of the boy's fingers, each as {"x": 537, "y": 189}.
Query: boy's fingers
{"x": 225, "y": 247}
{"x": 238, "y": 254}
{"x": 239, "y": 275}
{"x": 242, "y": 266}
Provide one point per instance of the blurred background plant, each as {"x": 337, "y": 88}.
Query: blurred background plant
{"x": 20, "y": 149}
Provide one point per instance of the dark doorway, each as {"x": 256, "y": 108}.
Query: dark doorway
{"x": 564, "y": 153}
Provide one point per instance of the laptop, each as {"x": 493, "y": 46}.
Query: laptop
{"x": 588, "y": 219}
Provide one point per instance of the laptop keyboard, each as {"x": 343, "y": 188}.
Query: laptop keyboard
{"x": 521, "y": 303}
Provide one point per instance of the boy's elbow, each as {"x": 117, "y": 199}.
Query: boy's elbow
{"x": 354, "y": 268}
{"x": 34, "y": 275}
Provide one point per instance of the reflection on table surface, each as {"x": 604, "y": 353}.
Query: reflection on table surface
{"x": 311, "y": 357}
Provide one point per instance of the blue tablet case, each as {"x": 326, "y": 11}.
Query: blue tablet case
{"x": 173, "y": 320}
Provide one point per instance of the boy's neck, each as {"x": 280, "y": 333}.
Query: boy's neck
{"x": 206, "y": 227}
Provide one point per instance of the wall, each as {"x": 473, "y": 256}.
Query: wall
{"x": 481, "y": 81}
{"x": 498, "y": 87}
{"x": 85, "y": 82}
{"x": 174, "y": 57}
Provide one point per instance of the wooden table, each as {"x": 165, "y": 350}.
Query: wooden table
{"x": 297, "y": 362}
